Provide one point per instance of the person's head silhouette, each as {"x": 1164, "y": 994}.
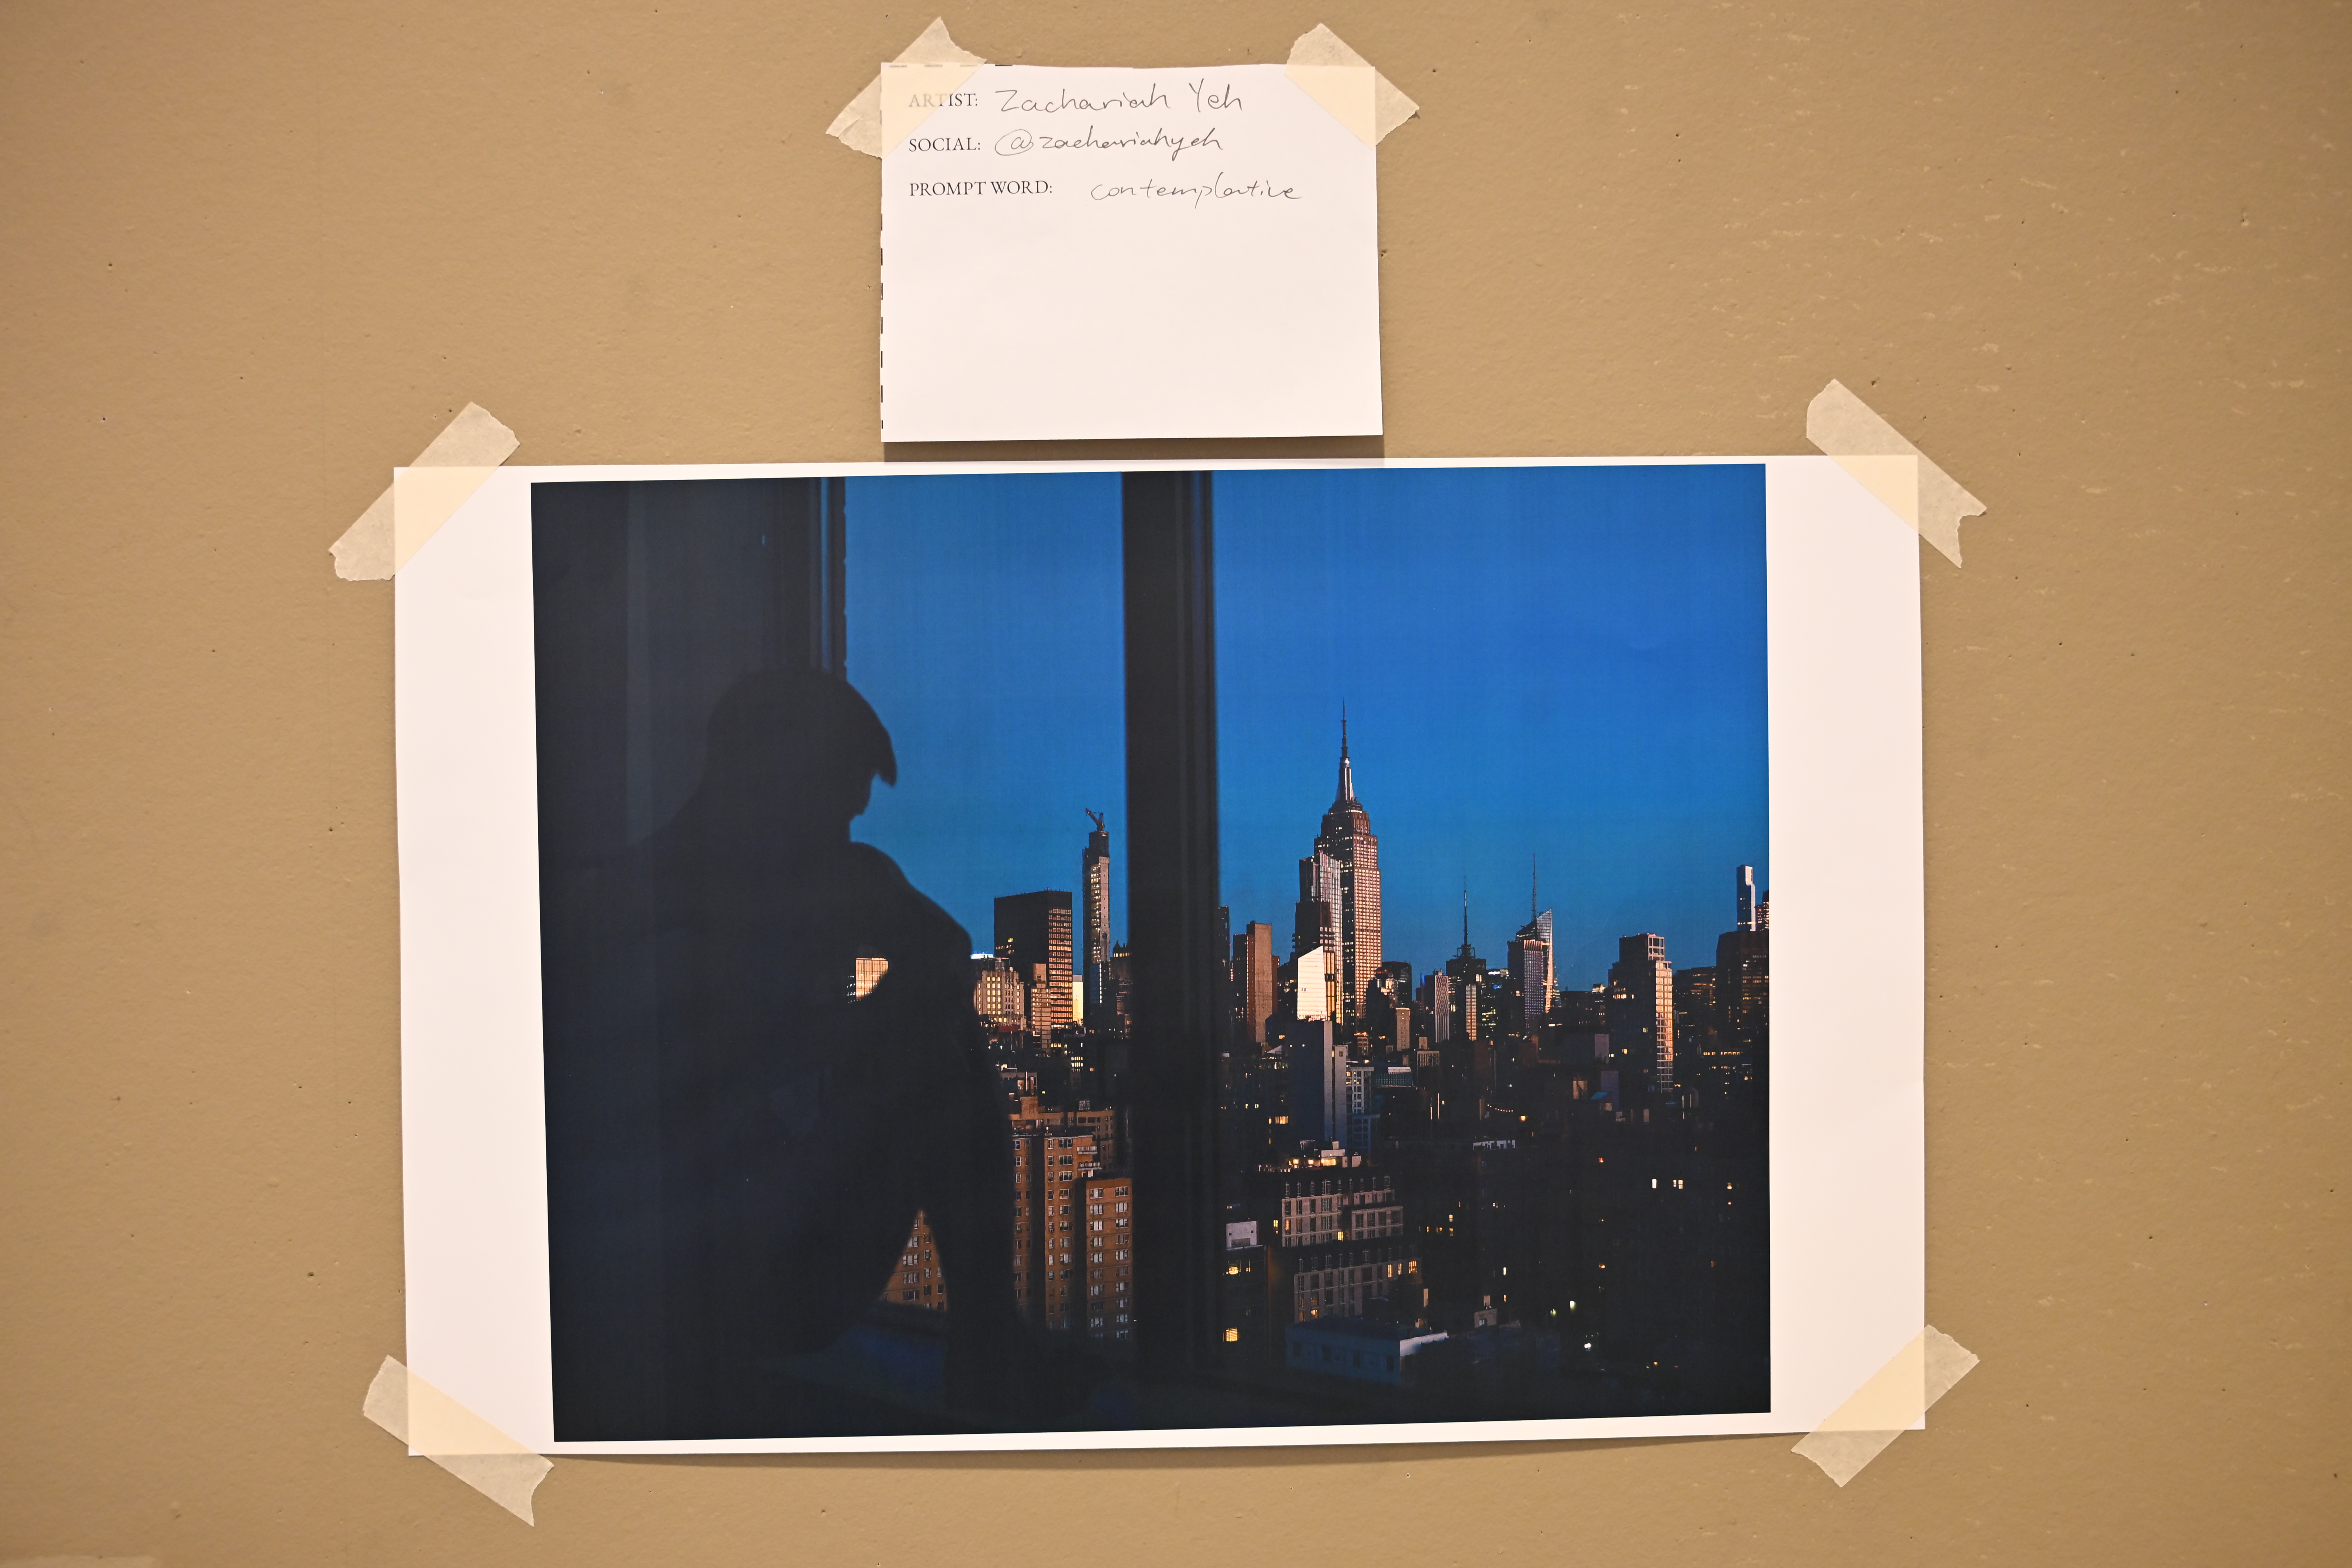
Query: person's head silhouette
{"x": 791, "y": 757}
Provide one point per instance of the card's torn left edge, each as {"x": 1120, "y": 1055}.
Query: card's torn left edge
{"x": 1894, "y": 1399}
{"x": 439, "y": 1428}
{"x": 424, "y": 496}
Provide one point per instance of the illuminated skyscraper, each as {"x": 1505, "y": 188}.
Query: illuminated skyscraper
{"x": 998, "y": 994}
{"x": 1253, "y": 981}
{"x": 1315, "y": 917}
{"x": 1467, "y": 971}
{"x": 1641, "y": 1006}
{"x": 1469, "y": 1056}
{"x": 1743, "y": 992}
{"x": 1744, "y": 887}
{"x": 1531, "y": 964}
{"x": 1032, "y": 933}
{"x": 1118, "y": 992}
{"x": 1094, "y": 873}
{"x": 1346, "y": 841}
{"x": 1305, "y": 988}
{"x": 1437, "y": 999}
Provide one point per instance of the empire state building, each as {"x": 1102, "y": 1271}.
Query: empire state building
{"x": 1346, "y": 840}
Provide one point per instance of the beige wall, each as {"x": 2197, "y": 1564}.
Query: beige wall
{"x": 2090, "y": 256}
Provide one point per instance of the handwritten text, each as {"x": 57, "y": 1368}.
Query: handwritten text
{"x": 1013, "y": 143}
{"x": 1217, "y": 189}
{"x": 1011, "y": 102}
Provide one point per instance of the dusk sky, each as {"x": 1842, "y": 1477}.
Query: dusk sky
{"x": 1561, "y": 663}
{"x": 984, "y": 628}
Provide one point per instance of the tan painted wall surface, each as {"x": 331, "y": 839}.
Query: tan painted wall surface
{"x": 2092, "y": 258}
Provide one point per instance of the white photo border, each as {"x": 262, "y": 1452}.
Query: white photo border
{"x": 1848, "y": 1152}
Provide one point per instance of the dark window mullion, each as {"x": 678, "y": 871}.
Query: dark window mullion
{"x": 1172, "y": 908}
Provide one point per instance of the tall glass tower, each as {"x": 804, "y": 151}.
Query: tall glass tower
{"x": 1093, "y": 871}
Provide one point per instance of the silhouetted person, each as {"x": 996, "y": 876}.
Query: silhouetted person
{"x": 799, "y": 1128}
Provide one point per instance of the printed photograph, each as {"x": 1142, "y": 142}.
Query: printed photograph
{"x": 1034, "y": 953}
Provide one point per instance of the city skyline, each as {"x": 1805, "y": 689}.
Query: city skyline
{"x": 1582, "y": 683}
{"x": 1565, "y": 663}
{"x": 1449, "y": 1199}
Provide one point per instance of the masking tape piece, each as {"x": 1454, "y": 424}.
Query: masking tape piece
{"x": 1897, "y": 1396}
{"x": 83, "y": 1563}
{"x": 1894, "y": 480}
{"x": 1848, "y": 430}
{"x": 868, "y": 124}
{"x": 444, "y": 1431}
{"x": 424, "y": 496}
{"x": 1344, "y": 83}
{"x": 363, "y": 555}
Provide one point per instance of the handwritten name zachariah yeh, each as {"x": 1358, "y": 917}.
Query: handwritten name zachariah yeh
{"x": 1011, "y": 101}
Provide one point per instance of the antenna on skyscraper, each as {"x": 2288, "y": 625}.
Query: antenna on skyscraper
{"x": 1535, "y": 893}
{"x": 1465, "y": 912}
{"x": 1347, "y": 775}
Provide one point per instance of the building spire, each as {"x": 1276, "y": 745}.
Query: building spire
{"x": 1346, "y": 769}
{"x": 1535, "y": 892}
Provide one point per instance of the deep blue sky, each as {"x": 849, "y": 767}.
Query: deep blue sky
{"x": 1567, "y": 663}
{"x": 1562, "y": 663}
{"x": 984, "y": 628}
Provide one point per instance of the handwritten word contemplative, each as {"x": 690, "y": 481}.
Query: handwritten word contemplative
{"x": 1214, "y": 189}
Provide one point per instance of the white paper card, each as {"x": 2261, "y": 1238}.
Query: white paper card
{"x": 1099, "y": 254}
